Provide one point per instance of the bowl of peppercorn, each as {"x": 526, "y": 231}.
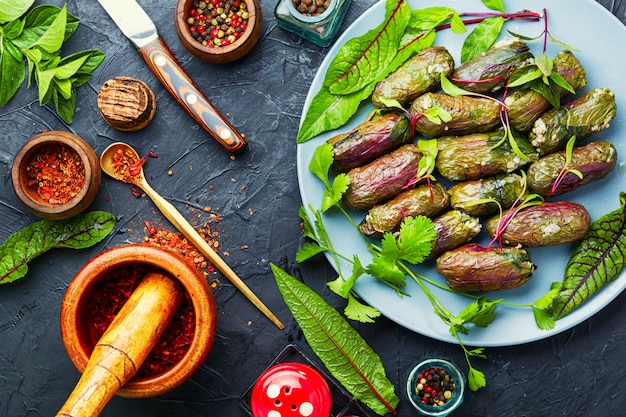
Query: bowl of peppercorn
{"x": 218, "y": 31}
{"x": 56, "y": 175}
{"x": 435, "y": 386}
{"x": 122, "y": 298}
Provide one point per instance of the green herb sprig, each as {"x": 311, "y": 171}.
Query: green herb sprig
{"x": 34, "y": 39}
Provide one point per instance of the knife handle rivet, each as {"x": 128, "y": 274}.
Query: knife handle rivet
{"x": 225, "y": 134}
{"x": 191, "y": 99}
{"x": 160, "y": 60}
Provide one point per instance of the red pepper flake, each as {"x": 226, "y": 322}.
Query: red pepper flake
{"x": 152, "y": 154}
{"x": 109, "y": 298}
{"x": 136, "y": 192}
{"x": 57, "y": 173}
{"x": 150, "y": 228}
{"x": 135, "y": 168}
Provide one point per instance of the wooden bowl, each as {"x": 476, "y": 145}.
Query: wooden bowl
{"x": 222, "y": 54}
{"x": 27, "y": 193}
{"x": 78, "y": 336}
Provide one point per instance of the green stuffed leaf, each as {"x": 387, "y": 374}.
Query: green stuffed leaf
{"x": 339, "y": 346}
{"x": 81, "y": 231}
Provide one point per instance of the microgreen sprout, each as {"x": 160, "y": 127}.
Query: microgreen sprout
{"x": 566, "y": 167}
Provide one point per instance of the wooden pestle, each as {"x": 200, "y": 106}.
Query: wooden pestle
{"x": 125, "y": 345}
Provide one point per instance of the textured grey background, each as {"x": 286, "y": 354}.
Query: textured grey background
{"x": 576, "y": 373}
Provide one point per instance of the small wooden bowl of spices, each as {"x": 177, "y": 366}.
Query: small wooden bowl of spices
{"x": 100, "y": 294}
{"x": 56, "y": 175}
{"x": 218, "y": 31}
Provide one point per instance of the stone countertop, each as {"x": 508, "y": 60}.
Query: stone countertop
{"x": 575, "y": 373}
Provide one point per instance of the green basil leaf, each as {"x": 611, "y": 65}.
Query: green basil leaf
{"x": 39, "y": 19}
{"x": 65, "y": 107}
{"x": 64, "y": 87}
{"x": 52, "y": 39}
{"x": 44, "y": 81}
{"x": 81, "y": 231}
{"x": 13, "y": 9}
{"x": 12, "y": 75}
{"x": 597, "y": 260}
{"x": 364, "y": 59}
{"x": 68, "y": 68}
{"x": 346, "y": 355}
{"x": 93, "y": 59}
{"x": 481, "y": 38}
{"x": 13, "y": 29}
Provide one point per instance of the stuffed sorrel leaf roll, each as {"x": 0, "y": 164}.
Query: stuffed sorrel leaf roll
{"x": 468, "y": 114}
{"x": 454, "y": 228}
{"x": 418, "y": 75}
{"x": 370, "y": 140}
{"x": 486, "y": 195}
{"x": 491, "y": 70}
{"x": 582, "y": 117}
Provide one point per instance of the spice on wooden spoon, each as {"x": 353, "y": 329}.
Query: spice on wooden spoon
{"x": 117, "y": 160}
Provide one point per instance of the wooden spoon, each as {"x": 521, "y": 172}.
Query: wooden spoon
{"x": 177, "y": 219}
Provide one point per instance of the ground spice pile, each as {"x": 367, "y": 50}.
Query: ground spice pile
{"x": 57, "y": 173}
{"x": 108, "y": 300}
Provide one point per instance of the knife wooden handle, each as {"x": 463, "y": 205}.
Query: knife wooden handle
{"x": 167, "y": 69}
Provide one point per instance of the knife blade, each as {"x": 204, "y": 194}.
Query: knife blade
{"x": 137, "y": 26}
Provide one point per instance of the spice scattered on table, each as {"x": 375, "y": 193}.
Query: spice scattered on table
{"x": 435, "y": 386}
{"x": 109, "y": 298}
{"x": 311, "y": 7}
{"x": 217, "y": 23}
{"x": 57, "y": 173}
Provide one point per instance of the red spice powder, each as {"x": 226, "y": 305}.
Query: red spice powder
{"x": 109, "y": 298}
{"x": 126, "y": 166}
{"x": 57, "y": 173}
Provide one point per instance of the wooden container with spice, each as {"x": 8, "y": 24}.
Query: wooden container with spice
{"x": 56, "y": 175}
{"x": 218, "y": 31}
{"x": 164, "y": 341}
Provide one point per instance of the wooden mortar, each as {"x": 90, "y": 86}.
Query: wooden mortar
{"x": 135, "y": 331}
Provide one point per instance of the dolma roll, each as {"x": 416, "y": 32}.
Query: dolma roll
{"x": 593, "y": 160}
{"x": 426, "y": 199}
{"x": 546, "y": 224}
{"x": 418, "y": 75}
{"x": 474, "y": 156}
{"x": 582, "y": 117}
{"x": 370, "y": 140}
{"x": 454, "y": 228}
{"x": 382, "y": 178}
{"x": 491, "y": 70}
{"x": 468, "y": 114}
{"x": 473, "y": 267}
{"x": 525, "y": 105}
{"x": 503, "y": 189}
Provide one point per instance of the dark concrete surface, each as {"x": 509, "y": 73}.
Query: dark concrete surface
{"x": 576, "y": 373}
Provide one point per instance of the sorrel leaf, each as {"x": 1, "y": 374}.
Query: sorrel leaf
{"x": 364, "y": 59}
{"x": 597, "y": 260}
{"x": 342, "y": 350}
{"x": 81, "y": 231}
{"x": 329, "y": 111}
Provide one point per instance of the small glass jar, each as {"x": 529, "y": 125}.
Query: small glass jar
{"x": 319, "y": 29}
{"x": 451, "y": 403}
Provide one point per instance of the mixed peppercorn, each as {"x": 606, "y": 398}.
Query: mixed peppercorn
{"x": 435, "y": 386}
{"x": 311, "y": 7}
{"x": 57, "y": 173}
{"x": 217, "y": 23}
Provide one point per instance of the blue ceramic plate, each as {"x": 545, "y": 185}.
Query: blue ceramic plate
{"x": 599, "y": 48}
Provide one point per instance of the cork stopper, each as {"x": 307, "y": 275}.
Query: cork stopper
{"x": 126, "y": 103}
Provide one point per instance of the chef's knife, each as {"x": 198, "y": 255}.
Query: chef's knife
{"x": 139, "y": 28}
